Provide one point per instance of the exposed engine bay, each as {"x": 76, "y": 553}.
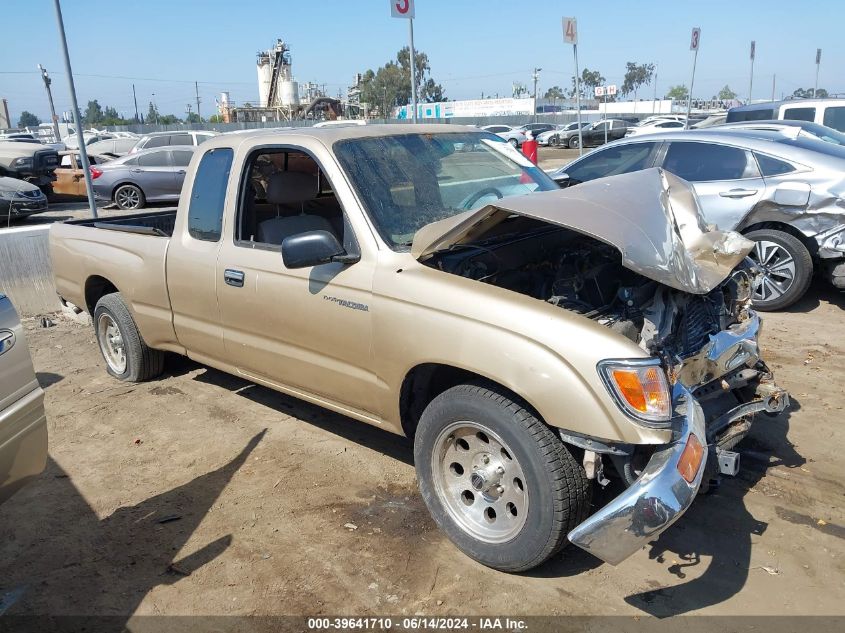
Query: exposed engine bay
{"x": 583, "y": 275}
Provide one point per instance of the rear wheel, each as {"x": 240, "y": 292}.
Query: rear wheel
{"x": 127, "y": 355}
{"x": 129, "y": 197}
{"x": 498, "y": 481}
{"x": 574, "y": 143}
{"x": 513, "y": 142}
{"x": 786, "y": 269}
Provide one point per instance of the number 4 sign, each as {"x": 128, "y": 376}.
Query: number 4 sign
{"x": 402, "y": 9}
{"x": 570, "y": 30}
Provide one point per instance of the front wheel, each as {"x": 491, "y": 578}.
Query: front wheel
{"x": 513, "y": 142}
{"x": 574, "y": 143}
{"x": 129, "y": 197}
{"x": 786, "y": 269}
{"x": 498, "y": 481}
{"x": 127, "y": 355}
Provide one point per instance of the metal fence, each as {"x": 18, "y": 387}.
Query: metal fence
{"x": 26, "y": 274}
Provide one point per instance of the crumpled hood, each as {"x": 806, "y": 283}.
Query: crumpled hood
{"x": 652, "y": 217}
{"x": 13, "y": 184}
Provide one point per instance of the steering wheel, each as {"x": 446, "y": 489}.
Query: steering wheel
{"x": 478, "y": 195}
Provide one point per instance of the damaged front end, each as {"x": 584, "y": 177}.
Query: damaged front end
{"x": 632, "y": 254}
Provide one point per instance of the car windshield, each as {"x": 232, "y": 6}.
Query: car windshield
{"x": 410, "y": 180}
{"x": 815, "y": 144}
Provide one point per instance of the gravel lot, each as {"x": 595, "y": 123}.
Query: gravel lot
{"x": 199, "y": 493}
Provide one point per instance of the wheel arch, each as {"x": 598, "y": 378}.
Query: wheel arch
{"x": 126, "y": 182}
{"x": 96, "y": 287}
{"x": 810, "y": 244}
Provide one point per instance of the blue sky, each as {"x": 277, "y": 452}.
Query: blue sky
{"x": 474, "y": 46}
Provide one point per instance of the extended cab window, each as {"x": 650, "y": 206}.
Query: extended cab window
{"x": 157, "y": 141}
{"x": 286, "y": 193}
{"x": 620, "y": 159}
{"x": 703, "y": 162}
{"x": 800, "y": 114}
{"x": 205, "y": 213}
{"x": 834, "y": 116}
{"x": 181, "y": 139}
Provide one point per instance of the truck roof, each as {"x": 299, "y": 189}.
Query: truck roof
{"x": 331, "y": 134}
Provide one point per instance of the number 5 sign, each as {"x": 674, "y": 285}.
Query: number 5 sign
{"x": 570, "y": 31}
{"x": 402, "y": 8}
{"x": 695, "y": 39}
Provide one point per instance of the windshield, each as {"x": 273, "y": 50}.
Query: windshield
{"x": 410, "y": 180}
{"x": 806, "y": 141}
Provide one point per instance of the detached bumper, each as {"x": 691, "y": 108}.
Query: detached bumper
{"x": 654, "y": 501}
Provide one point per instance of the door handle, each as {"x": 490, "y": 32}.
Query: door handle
{"x": 233, "y": 277}
{"x": 7, "y": 341}
{"x": 136, "y": 171}
{"x": 737, "y": 193}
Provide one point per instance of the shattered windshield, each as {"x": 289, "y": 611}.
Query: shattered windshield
{"x": 410, "y": 180}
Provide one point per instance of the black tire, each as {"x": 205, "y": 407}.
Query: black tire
{"x": 513, "y": 142}
{"x": 558, "y": 490}
{"x": 554, "y": 141}
{"x": 802, "y": 276}
{"x": 573, "y": 143}
{"x": 129, "y": 197}
{"x": 142, "y": 362}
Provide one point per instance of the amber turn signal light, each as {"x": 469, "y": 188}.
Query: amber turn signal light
{"x": 690, "y": 459}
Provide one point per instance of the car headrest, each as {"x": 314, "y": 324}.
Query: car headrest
{"x": 289, "y": 187}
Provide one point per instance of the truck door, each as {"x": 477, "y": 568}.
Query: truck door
{"x": 307, "y": 330}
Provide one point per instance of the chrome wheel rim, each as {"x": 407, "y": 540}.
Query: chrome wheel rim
{"x": 480, "y": 482}
{"x": 777, "y": 271}
{"x": 127, "y": 197}
{"x": 111, "y": 343}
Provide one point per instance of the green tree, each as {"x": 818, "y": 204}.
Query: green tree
{"x": 93, "y": 113}
{"x": 679, "y": 93}
{"x": 390, "y": 85}
{"x": 726, "y": 93}
{"x": 590, "y": 79}
{"x": 193, "y": 117}
{"x": 152, "y": 113}
{"x": 168, "y": 119}
{"x": 636, "y": 76}
{"x": 554, "y": 93}
{"x": 28, "y": 119}
{"x": 112, "y": 117}
{"x": 215, "y": 118}
{"x": 802, "y": 93}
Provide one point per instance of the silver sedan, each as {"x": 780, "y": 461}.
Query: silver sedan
{"x": 785, "y": 192}
{"x": 152, "y": 175}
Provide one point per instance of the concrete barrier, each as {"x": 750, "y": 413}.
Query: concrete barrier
{"x": 26, "y": 274}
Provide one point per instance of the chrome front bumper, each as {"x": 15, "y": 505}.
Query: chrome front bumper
{"x": 654, "y": 501}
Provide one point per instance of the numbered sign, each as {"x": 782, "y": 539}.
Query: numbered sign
{"x": 611, "y": 90}
{"x": 818, "y": 56}
{"x": 570, "y": 31}
{"x": 402, "y": 9}
{"x": 753, "y": 49}
{"x": 695, "y": 40}
{"x": 599, "y": 91}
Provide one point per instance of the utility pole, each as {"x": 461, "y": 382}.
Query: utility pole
{"x": 695, "y": 41}
{"x": 77, "y": 119}
{"x": 47, "y": 82}
{"x": 188, "y": 113}
{"x": 536, "y": 76}
{"x": 751, "y": 80}
{"x": 155, "y": 108}
{"x": 135, "y": 99}
{"x": 197, "y": 93}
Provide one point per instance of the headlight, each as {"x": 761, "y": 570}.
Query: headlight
{"x": 22, "y": 162}
{"x": 640, "y": 389}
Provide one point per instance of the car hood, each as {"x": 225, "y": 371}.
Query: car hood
{"x": 13, "y": 184}
{"x": 651, "y": 217}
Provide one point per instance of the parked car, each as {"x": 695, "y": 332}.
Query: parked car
{"x": 151, "y": 175}
{"x": 784, "y": 192}
{"x": 797, "y": 128}
{"x": 829, "y": 112}
{"x": 114, "y": 147}
{"x": 558, "y": 135}
{"x": 23, "y": 422}
{"x": 19, "y": 198}
{"x": 662, "y": 117}
{"x": 163, "y": 139}
{"x": 658, "y": 125}
{"x": 70, "y": 177}
{"x": 72, "y": 141}
{"x": 31, "y": 162}
{"x": 514, "y": 136}
{"x": 594, "y": 134}
{"x": 536, "y": 128}
{"x": 710, "y": 121}
{"x": 305, "y": 260}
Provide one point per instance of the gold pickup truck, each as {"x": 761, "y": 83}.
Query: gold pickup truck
{"x": 533, "y": 342}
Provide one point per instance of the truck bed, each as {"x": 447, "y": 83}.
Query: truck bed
{"x": 158, "y": 223}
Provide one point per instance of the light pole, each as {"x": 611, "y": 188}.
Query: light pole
{"x": 47, "y": 82}
{"x": 77, "y": 119}
{"x": 536, "y": 77}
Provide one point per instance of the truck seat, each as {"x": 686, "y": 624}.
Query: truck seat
{"x": 289, "y": 191}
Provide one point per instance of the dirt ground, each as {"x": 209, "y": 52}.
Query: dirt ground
{"x": 199, "y": 493}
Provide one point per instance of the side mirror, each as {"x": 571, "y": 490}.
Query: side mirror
{"x": 311, "y": 248}
{"x": 561, "y": 178}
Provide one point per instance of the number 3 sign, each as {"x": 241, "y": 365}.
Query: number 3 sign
{"x": 402, "y": 8}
